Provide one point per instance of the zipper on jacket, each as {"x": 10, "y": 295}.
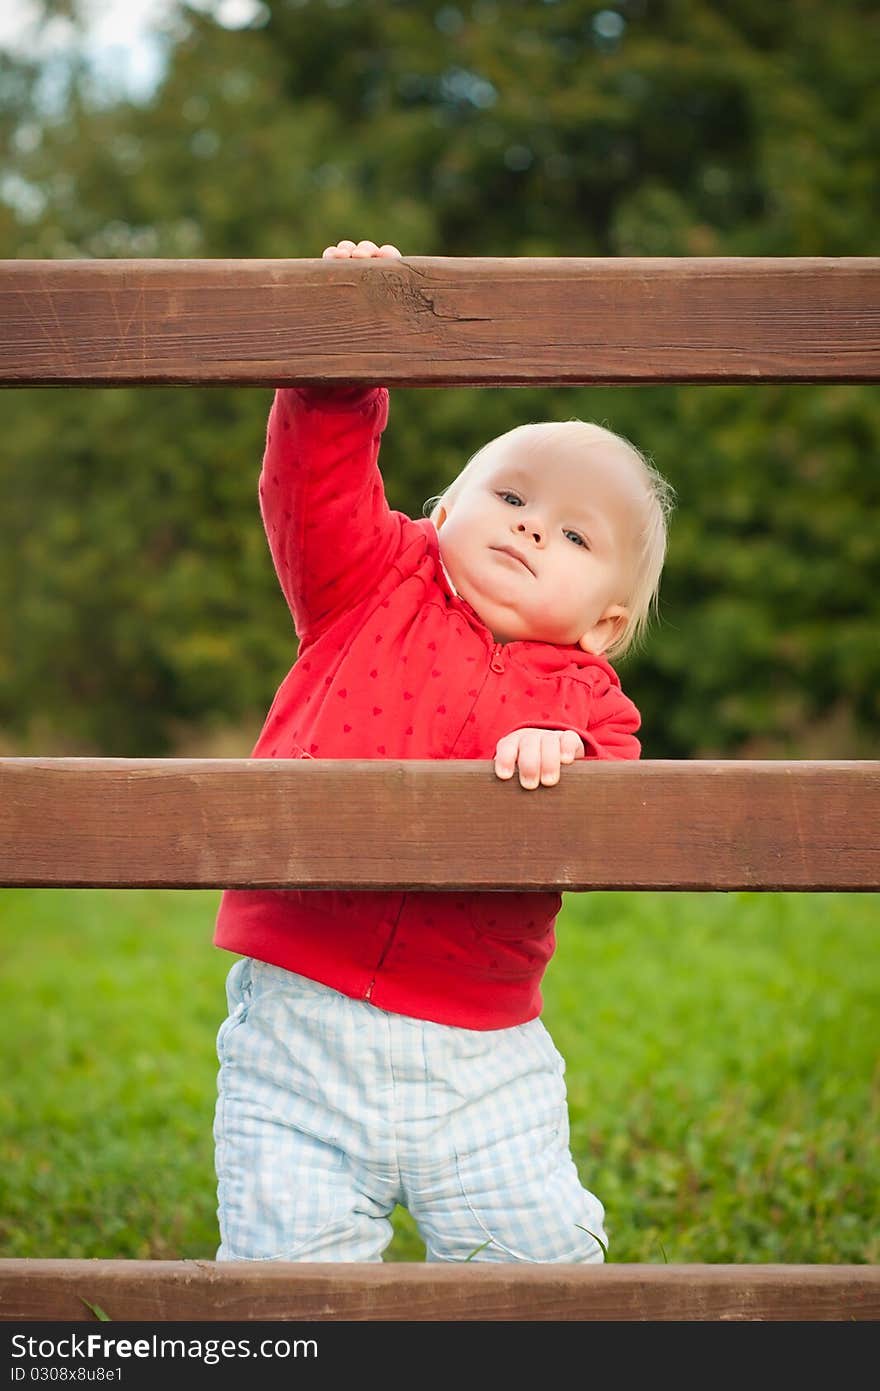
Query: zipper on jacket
{"x": 496, "y": 663}
{"x": 390, "y": 938}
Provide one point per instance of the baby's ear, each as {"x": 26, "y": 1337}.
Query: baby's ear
{"x": 606, "y": 631}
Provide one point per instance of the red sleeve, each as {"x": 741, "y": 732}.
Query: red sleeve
{"x": 604, "y": 717}
{"x": 614, "y": 736}
{"x": 327, "y": 520}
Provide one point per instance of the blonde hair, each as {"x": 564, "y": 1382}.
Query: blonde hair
{"x": 642, "y": 599}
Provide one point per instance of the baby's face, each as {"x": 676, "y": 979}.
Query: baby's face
{"x": 572, "y": 516}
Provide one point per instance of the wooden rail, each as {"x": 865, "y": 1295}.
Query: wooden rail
{"x": 328, "y": 823}
{"x": 440, "y": 321}
{"x": 160, "y": 1291}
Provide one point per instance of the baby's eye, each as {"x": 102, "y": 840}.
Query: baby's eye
{"x": 579, "y": 540}
{"x": 517, "y": 501}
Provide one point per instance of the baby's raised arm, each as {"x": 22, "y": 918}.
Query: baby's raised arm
{"x": 329, "y": 527}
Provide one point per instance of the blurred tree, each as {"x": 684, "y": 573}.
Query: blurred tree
{"x": 137, "y": 599}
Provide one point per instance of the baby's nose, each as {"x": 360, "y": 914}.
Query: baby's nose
{"x": 532, "y": 529}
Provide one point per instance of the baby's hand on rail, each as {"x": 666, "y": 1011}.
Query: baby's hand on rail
{"x": 362, "y": 251}
{"x": 539, "y": 753}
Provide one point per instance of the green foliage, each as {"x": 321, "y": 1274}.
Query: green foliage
{"x": 721, "y": 1073}
{"x": 137, "y": 599}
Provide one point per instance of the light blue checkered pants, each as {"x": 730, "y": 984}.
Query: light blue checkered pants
{"x": 331, "y": 1111}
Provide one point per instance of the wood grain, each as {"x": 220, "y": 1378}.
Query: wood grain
{"x": 159, "y": 1291}
{"x": 310, "y": 823}
{"x": 440, "y": 321}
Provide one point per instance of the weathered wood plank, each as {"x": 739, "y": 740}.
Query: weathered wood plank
{"x": 310, "y": 823}
{"x": 440, "y": 321}
{"x": 159, "y": 1291}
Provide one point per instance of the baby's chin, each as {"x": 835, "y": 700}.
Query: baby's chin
{"x": 494, "y": 610}
{"x": 505, "y": 624}
{"x": 505, "y": 627}
{"x": 497, "y": 607}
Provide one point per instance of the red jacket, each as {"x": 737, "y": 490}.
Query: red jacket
{"x": 393, "y": 664}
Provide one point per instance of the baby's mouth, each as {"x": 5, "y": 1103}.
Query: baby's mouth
{"x": 514, "y": 554}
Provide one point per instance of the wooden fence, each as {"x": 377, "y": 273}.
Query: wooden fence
{"x": 185, "y": 823}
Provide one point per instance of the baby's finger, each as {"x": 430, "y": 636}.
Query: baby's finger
{"x": 365, "y": 249}
{"x": 529, "y": 758}
{"x": 550, "y": 758}
{"x": 389, "y": 250}
{"x": 343, "y": 248}
{"x": 505, "y": 755}
{"x": 571, "y": 746}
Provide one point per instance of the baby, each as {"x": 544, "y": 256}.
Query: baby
{"x": 386, "y": 1047}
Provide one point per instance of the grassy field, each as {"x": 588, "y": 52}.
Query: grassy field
{"x": 722, "y": 1072}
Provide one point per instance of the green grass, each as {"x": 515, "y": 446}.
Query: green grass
{"x": 722, "y": 1073}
